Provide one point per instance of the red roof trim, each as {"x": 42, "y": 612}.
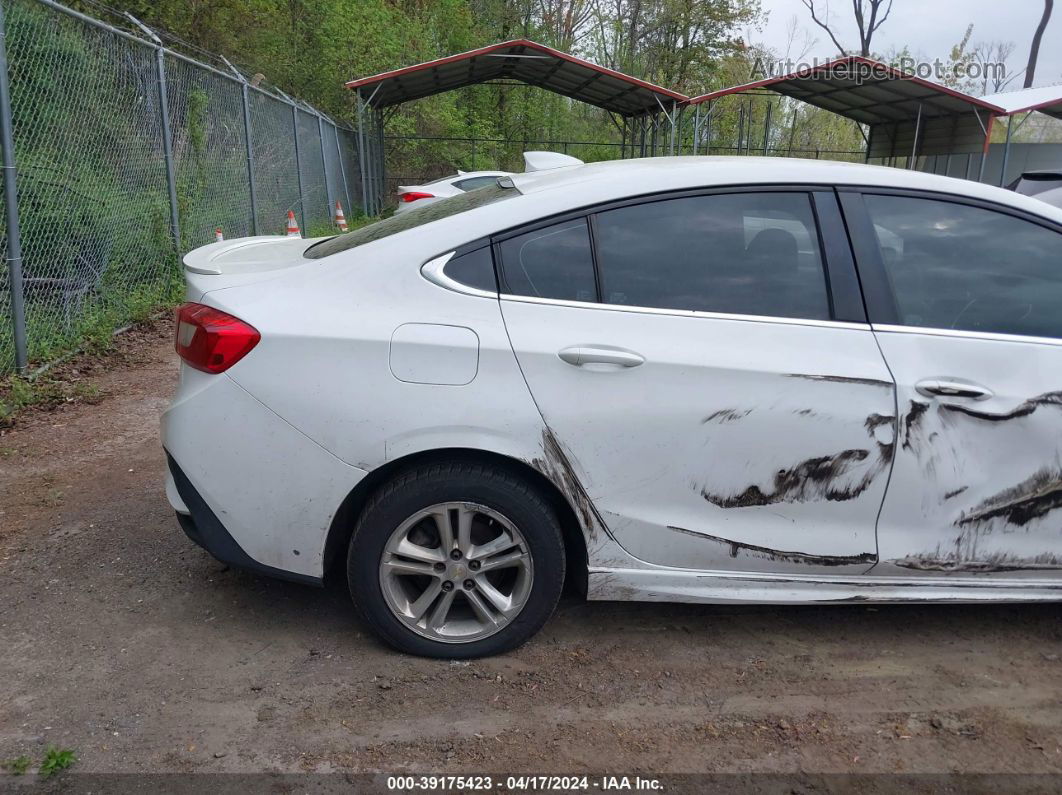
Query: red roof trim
{"x": 850, "y": 59}
{"x": 464, "y": 56}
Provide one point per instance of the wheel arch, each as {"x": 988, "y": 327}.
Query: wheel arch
{"x": 354, "y": 503}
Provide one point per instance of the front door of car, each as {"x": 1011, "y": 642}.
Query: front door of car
{"x": 723, "y": 408}
{"x": 966, "y": 303}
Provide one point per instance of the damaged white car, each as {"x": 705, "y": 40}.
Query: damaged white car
{"x": 677, "y": 379}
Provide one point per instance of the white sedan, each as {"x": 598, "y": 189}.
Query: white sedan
{"x": 675, "y": 379}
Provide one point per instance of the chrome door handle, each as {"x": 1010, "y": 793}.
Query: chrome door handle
{"x": 579, "y": 355}
{"x": 952, "y": 387}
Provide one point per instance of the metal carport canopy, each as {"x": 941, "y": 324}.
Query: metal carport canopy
{"x": 898, "y": 107}
{"x": 1047, "y": 99}
{"x": 524, "y": 61}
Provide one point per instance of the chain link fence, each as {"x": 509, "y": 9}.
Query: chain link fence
{"x": 101, "y": 202}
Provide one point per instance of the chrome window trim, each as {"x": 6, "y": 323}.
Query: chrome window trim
{"x": 888, "y": 328}
{"x": 652, "y": 310}
{"x": 432, "y": 270}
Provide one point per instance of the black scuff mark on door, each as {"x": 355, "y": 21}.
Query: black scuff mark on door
{"x": 767, "y": 553}
{"x": 812, "y": 479}
{"x": 912, "y": 421}
{"x": 1024, "y": 409}
{"x": 726, "y": 415}
{"x": 1031, "y": 499}
{"x": 818, "y": 478}
{"x": 843, "y": 379}
{"x": 875, "y": 421}
{"x": 556, "y": 465}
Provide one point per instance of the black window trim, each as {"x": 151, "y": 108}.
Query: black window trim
{"x": 877, "y": 291}
{"x": 841, "y": 279}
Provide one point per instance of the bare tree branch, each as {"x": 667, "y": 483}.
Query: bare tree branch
{"x": 810, "y": 6}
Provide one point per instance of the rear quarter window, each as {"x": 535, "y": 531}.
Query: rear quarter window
{"x": 401, "y": 223}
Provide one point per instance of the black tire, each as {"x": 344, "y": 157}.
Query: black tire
{"x": 417, "y": 489}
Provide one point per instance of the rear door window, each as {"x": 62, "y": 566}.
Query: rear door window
{"x": 956, "y": 266}
{"x": 745, "y": 253}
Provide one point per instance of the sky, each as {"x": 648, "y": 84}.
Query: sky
{"x": 928, "y": 28}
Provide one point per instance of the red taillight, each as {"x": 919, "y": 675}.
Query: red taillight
{"x": 412, "y": 196}
{"x": 211, "y": 340}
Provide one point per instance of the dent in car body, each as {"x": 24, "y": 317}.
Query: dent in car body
{"x": 960, "y": 449}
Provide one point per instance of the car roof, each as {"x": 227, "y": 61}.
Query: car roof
{"x": 642, "y": 176}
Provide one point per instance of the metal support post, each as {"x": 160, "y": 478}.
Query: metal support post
{"x": 914, "y": 145}
{"x": 298, "y": 164}
{"x": 14, "y": 237}
{"x": 767, "y": 128}
{"x": 708, "y": 131}
{"x": 696, "y": 127}
{"x": 329, "y": 193}
{"x": 245, "y": 100}
{"x": 1006, "y": 152}
{"x": 362, "y": 164}
{"x": 167, "y": 138}
{"x": 342, "y": 168}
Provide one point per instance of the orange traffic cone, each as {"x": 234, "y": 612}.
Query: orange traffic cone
{"x": 340, "y": 219}
{"x": 293, "y": 226}
{"x": 218, "y": 237}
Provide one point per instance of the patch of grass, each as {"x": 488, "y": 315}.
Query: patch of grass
{"x": 56, "y": 759}
{"x": 18, "y": 394}
{"x": 17, "y": 766}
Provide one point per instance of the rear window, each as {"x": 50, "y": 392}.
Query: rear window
{"x": 401, "y": 223}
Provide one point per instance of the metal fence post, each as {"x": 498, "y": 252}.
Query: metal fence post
{"x": 362, "y": 165}
{"x": 250, "y": 156}
{"x": 247, "y": 139}
{"x": 167, "y": 148}
{"x": 14, "y": 238}
{"x": 167, "y": 138}
{"x": 298, "y": 164}
{"x": 342, "y": 168}
{"x": 244, "y": 91}
{"x": 324, "y": 167}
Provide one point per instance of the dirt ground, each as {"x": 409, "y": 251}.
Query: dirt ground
{"x": 123, "y": 641}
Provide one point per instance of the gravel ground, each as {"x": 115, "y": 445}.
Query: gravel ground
{"x": 123, "y": 641}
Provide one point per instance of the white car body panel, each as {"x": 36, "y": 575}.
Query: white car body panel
{"x": 972, "y": 483}
{"x": 277, "y": 442}
{"x": 239, "y": 445}
{"x": 735, "y": 436}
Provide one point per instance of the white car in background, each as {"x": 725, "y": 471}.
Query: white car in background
{"x": 675, "y": 379}
{"x": 1044, "y": 185}
{"x": 413, "y": 197}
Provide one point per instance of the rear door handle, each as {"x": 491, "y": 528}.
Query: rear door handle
{"x": 952, "y": 387}
{"x": 578, "y": 355}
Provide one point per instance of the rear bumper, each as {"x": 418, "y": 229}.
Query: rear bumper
{"x": 260, "y": 494}
{"x": 203, "y": 527}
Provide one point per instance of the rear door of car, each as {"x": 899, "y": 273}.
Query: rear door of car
{"x": 704, "y": 362}
{"x": 965, "y": 299}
